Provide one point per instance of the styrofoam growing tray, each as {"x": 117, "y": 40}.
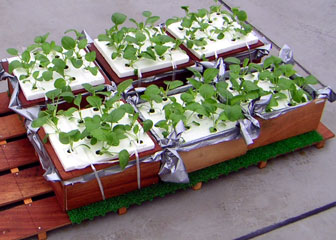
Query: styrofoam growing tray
{"x": 82, "y": 76}
{"x": 217, "y": 47}
{"x": 82, "y": 157}
{"x": 195, "y": 132}
{"x": 177, "y": 57}
{"x": 266, "y": 86}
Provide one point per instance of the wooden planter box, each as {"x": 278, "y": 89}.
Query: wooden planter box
{"x": 81, "y": 194}
{"x": 28, "y": 103}
{"x": 213, "y": 154}
{"x": 113, "y": 76}
{"x": 298, "y": 121}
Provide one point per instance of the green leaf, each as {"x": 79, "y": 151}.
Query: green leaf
{"x": 94, "y": 101}
{"x": 152, "y": 20}
{"x": 99, "y": 134}
{"x": 234, "y": 112}
{"x": 118, "y": 18}
{"x": 187, "y": 97}
{"x": 68, "y": 43}
{"x": 136, "y": 129}
{"x": 186, "y": 22}
{"x": 82, "y": 43}
{"x": 173, "y": 84}
{"x": 207, "y": 91}
{"x": 202, "y": 12}
{"x": 220, "y": 36}
{"x": 69, "y": 112}
{"x": 36, "y": 74}
{"x": 232, "y": 60}
{"x": 77, "y": 63}
{"x": 147, "y": 14}
{"x": 78, "y": 100}
{"x": 130, "y": 52}
{"x": 123, "y": 158}
{"x": 25, "y": 56}
{"x": 250, "y": 86}
{"x": 44, "y": 61}
{"x": 140, "y": 37}
{"x": 60, "y": 83}
{"x": 160, "y": 49}
{"x": 59, "y": 65}
{"x": 53, "y": 94}
{"x": 90, "y": 56}
{"x": 92, "y": 70}
{"x": 170, "y": 21}
{"x": 46, "y": 48}
{"x": 67, "y": 96}
{"x": 124, "y": 85}
{"x": 47, "y": 75}
{"x": 242, "y": 16}
{"x": 130, "y": 39}
{"x": 14, "y": 65}
{"x": 311, "y": 80}
{"x": 196, "y": 84}
{"x": 285, "y": 83}
{"x": 13, "y": 51}
{"x": 39, "y": 122}
{"x": 147, "y": 125}
{"x": 116, "y": 115}
{"x": 209, "y": 74}
{"x": 128, "y": 108}
{"x": 162, "y": 124}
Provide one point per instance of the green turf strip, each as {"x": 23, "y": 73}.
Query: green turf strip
{"x": 161, "y": 189}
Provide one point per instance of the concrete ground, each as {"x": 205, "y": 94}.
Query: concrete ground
{"x": 243, "y": 202}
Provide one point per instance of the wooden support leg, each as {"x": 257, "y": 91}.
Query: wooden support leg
{"x": 320, "y": 145}
{"x": 122, "y": 211}
{"x": 42, "y": 236}
{"x": 197, "y": 186}
{"x": 262, "y": 164}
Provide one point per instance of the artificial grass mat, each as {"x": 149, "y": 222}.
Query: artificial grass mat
{"x": 252, "y": 157}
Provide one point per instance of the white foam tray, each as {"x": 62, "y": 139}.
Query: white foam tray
{"x": 82, "y": 157}
{"x": 177, "y": 57}
{"x": 266, "y": 86}
{"x": 217, "y": 47}
{"x": 194, "y": 132}
{"x": 82, "y": 76}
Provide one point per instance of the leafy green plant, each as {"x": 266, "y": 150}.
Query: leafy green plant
{"x": 42, "y": 59}
{"x": 198, "y": 27}
{"x": 144, "y": 41}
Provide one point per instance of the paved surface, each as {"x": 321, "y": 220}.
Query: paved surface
{"x": 243, "y": 202}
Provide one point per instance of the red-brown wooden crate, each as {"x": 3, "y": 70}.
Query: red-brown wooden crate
{"x": 4, "y": 102}
{"x": 19, "y": 153}
{"x": 11, "y": 126}
{"x": 16, "y": 223}
{"x": 32, "y": 183}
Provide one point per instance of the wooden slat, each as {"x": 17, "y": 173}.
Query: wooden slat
{"x": 47, "y": 214}
{"x": 4, "y": 101}
{"x": 325, "y": 132}
{"x": 9, "y": 190}
{"x": 11, "y": 126}
{"x": 16, "y": 223}
{"x": 3, "y": 161}
{"x": 19, "y": 153}
{"x": 31, "y": 182}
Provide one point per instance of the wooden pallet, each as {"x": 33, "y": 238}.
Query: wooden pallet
{"x": 28, "y": 205}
